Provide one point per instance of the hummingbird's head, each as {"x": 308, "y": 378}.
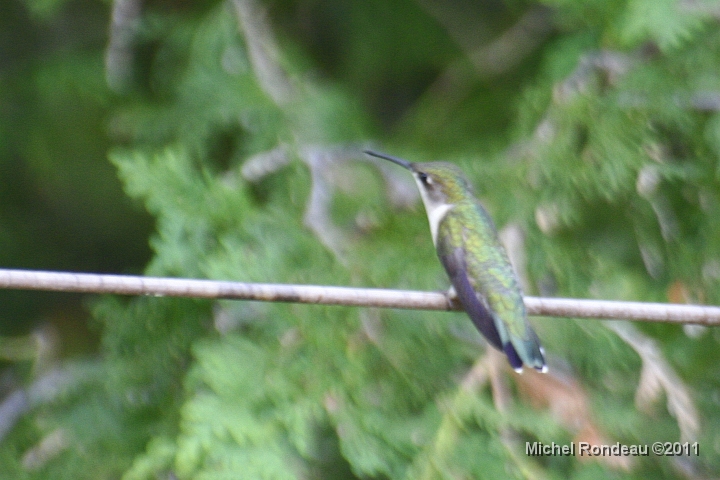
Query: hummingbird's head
{"x": 440, "y": 183}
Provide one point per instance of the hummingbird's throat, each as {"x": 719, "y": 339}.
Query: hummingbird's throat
{"x": 436, "y": 209}
{"x": 435, "y": 214}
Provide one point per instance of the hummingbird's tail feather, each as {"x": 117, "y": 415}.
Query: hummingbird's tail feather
{"x": 528, "y": 350}
{"x": 513, "y": 358}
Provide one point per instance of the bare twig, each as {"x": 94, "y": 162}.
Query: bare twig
{"x": 319, "y": 160}
{"x": 125, "y": 18}
{"x": 322, "y": 162}
{"x": 515, "y": 44}
{"x": 12, "y": 408}
{"x": 42, "y": 390}
{"x": 263, "y": 51}
{"x": 658, "y": 377}
{"x": 48, "y": 448}
{"x": 365, "y": 297}
{"x": 502, "y": 53}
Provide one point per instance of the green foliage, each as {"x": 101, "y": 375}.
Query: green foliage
{"x": 602, "y": 146}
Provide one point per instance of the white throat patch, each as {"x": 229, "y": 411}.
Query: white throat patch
{"x": 435, "y": 216}
{"x": 436, "y": 211}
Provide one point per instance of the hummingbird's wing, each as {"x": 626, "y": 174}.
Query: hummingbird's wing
{"x": 453, "y": 259}
{"x": 455, "y": 265}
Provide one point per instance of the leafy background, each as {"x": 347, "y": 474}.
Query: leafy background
{"x": 222, "y": 140}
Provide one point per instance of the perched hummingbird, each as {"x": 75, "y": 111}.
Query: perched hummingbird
{"x": 478, "y": 266}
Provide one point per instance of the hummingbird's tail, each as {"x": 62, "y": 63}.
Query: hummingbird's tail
{"x": 527, "y": 351}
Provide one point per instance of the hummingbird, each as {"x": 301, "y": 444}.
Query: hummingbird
{"x": 476, "y": 262}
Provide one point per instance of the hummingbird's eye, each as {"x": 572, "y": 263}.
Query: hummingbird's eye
{"x": 424, "y": 178}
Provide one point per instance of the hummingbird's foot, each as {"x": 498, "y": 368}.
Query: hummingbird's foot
{"x": 453, "y": 299}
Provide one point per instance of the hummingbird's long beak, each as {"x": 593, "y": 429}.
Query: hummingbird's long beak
{"x": 399, "y": 161}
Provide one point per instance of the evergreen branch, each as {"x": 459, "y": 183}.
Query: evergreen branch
{"x": 325, "y": 295}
